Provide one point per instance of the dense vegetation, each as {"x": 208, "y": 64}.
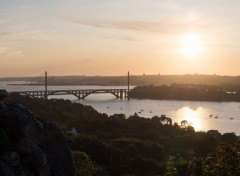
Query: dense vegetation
{"x": 188, "y": 92}
{"x": 136, "y": 145}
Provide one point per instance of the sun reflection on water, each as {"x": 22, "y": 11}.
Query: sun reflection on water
{"x": 191, "y": 116}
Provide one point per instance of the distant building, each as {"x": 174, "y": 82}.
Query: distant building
{"x": 214, "y": 133}
{"x": 72, "y": 131}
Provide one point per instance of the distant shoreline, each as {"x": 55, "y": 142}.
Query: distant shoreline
{"x": 25, "y": 84}
{"x": 136, "y": 80}
{"x": 64, "y": 85}
{"x": 186, "y": 93}
{"x": 214, "y": 101}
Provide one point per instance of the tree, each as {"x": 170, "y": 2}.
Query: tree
{"x": 177, "y": 166}
{"x": 230, "y": 138}
{"x": 224, "y": 162}
{"x": 184, "y": 124}
{"x": 83, "y": 164}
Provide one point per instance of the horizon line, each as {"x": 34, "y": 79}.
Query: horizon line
{"x": 194, "y": 74}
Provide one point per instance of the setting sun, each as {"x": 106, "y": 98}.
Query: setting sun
{"x": 191, "y": 46}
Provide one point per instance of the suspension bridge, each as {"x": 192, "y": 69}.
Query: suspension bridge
{"x": 80, "y": 94}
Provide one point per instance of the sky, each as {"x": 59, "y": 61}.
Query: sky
{"x": 111, "y": 37}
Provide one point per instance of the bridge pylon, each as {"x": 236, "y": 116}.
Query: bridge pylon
{"x": 46, "y": 86}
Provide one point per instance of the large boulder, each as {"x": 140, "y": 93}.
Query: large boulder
{"x": 3, "y": 94}
{"x": 30, "y": 146}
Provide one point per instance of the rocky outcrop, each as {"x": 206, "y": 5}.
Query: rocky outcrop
{"x": 30, "y": 146}
{"x": 3, "y": 94}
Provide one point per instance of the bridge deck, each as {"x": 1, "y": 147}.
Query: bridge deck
{"x": 79, "y": 93}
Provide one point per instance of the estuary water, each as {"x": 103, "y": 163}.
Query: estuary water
{"x": 203, "y": 116}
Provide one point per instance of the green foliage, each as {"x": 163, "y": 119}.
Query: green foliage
{"x": 229, "y": 138}
{"x": 224, "y": 162}
{"x": 177, "y": 166}
{"x": 196, "y": 166}
{"x": 136, "y": 145}
{"x": 83, "y": 164}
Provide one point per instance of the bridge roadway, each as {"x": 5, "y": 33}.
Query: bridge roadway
{"x": 80, "y": 94}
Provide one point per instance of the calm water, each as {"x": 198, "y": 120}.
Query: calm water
{"x": 195, "y": 112}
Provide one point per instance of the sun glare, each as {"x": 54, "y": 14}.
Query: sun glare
{"x": 191, "y": 46}
{"x": 191, "y": 116}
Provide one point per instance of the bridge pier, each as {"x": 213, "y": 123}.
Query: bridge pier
{"x": 121, "y": 94}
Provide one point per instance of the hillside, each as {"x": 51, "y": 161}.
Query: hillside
{"x": 134, "y": 145}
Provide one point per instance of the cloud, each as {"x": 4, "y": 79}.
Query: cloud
{"x": 81, "y": 61}
{"x": 170, "y": 4}
{"x": 165, "y": 4}
{"x": 25, "y": 31}
{"x": 17, "y": 33}
{"x": 15, "y": 54}
{"x": 3, "y": 20}
{"x": 69, "y": 64}
{"x": 5, "y": 52}
{"x": 161, "y": 26}
{"x": 24, "y": 21}
{"x": 123, "y": 37}
{"x": 2, "y": 49}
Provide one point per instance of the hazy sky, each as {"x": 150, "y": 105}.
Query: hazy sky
{"x": 110, "y": 37}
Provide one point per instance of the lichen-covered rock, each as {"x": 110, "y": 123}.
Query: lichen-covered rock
{"x": 30, "y": 146}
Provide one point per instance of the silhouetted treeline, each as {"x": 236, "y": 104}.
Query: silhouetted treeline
{"x": 135, "y": 80}
{"x": 188, "y": 92}
{"x": 140, "y": 146}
